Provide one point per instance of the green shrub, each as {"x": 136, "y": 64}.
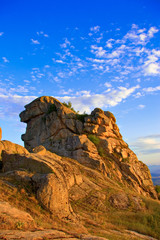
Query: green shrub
{"x": 94, "y": 139}
{"x": 157, "y": 188}
{"x": 69, "y": 105}
{"x": 101, "y": 151}
{"x": 125, "y": 159}
{"x": 52, "y": 108}
{"x": 19, "y": 225}
{"x": 81, "y": 117}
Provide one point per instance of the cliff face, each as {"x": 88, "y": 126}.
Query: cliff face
{"x": 93, "y": 140}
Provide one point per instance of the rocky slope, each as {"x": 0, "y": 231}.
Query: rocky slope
{"x": 76, "y": 176}
{"x": 84, "y": 199}
{"x": 93, "y": 140}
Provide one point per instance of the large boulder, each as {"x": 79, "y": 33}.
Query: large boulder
{"x": 52, "y": 177}
{"x": 93, "y": 140}
{"x": 13, "y": 147}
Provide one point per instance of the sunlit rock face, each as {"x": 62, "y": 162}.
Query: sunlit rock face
{"x": 93, "y": 140}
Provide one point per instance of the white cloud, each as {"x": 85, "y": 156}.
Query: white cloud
{"x": 47, "y": 66}
{"x": 98, "y": 51}
{"x": 156, "y": 52}
{"x": 96, "y": 60}
{"x": 42, "y": 34}
{"x": 148, "y": 149}
{"x": 141, "y": 106}
{"x": 107, "y": 84}
{"x": 143, "y": 36}
{"x": 138, "y": 36}
{"x": 152, "y": 31}
{"x": 88, "y": 101}
{"x": 64, "y": 92}
{"x": 65, "y": 44}
{"x": 134, "y": 26}
{"x": 152, "y": 69}
{"x": 151, "y": 89}
{"x": 109, "y": 44}
{"x": 35, "y": 41}
{"x": 95, "y": 29}
{"x": 13, "y": 104}
{"x": 5, "y": 60}
{"x": 59, "y": 61}
{"x": 1, "y": 33}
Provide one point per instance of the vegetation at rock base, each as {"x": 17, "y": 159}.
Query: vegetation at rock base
{"x": 22, "y": 196}
{"x": 99, "y": 219}
{"x": 144, "y": 221}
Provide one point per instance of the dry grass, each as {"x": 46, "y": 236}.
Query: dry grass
{"x": 21, "y": 197}
{"x": 99, "y": 217}
{"x": 145, "y": 221}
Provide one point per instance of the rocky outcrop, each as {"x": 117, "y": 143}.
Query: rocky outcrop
{"x": 93, "y": 140}
{"x": 14, "y": 148}
{"x": 68, "y": 191}
{"x": 51, "y": 176}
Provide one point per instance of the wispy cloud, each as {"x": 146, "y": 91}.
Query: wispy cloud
{"x": 1, "y": 33}
{"x": 41, "y": 33}
{"x": 5, "y": 60}
{"x": 128, "y": 56}
{"x": 65, "y": 44}
{"x": 141, "y": 106}
{"x": 147, "y": 149}
{"x": 147, "y": 144}
{"x": 98, "y": 51}
{"x": 35, "y": 41}
{"x": 87, "y": 101}
{"x": 95, "y": 29}
{"x": 151, "y": 89}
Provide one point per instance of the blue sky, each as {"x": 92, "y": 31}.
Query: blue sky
{"x": 93, "y": 53}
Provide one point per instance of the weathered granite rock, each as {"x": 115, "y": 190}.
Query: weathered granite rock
{"x": 52, "y": 177}
{"x": 119, "y": 200}
{"x": 93, "y": 140}
{"x": 9, "y": 146}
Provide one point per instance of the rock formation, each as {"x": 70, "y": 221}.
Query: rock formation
{"x": 93, "y": 140}
{"x": 78, "y": 176}
{"x": 93, "y": 190}
{"x": 51, "y": 176}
